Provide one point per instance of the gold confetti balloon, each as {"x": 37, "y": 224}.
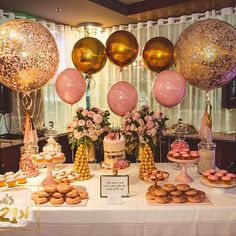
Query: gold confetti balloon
{"x": 205, "y": 54}
{"x": 89, "y": 55}
{"x": 28, "y": 55}
{"x": 158, "y": 54}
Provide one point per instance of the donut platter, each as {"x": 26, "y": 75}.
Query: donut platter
{"x": 154, "y": 176}
{"x": 170, "y": 194}
{"x": 60, "y": 195}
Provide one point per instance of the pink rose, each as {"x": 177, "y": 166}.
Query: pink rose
{"x": 74, "y": 124}
{"x": 153, "y": 131}
{"x": 149, "y": 125}
{"x": 132, "y": 127}
{"x": 89, "y": 123}
{"x": 70, "y": 128}
{"x": 158, "y": 115}
{"x": 81, "y": 123}
{"x": 91, "y": 114}
{"x": 136, "y": 116}
{"x": 91, "y": 130}
{"x": 97, "y": 118}
{"x": 78, "y": 135}
{"x": 148, "y": 132}
{"x": 148, "y": 118}
{"x": 141, "y": 122}
{"x": 84, "y": 113}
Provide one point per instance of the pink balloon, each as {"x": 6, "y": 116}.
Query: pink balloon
{"x": 70, "y": 85}
{"x": 122, "y": 98}
{"x": 169, "y": 88}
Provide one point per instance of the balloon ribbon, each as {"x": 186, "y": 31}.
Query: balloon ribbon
{"x": 205, "y": 132}
{"x": 30, "y": 132}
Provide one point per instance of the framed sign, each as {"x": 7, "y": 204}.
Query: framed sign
{"x": 114, "y": 185}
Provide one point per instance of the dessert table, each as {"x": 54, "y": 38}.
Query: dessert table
{"x": 134, "y": 216}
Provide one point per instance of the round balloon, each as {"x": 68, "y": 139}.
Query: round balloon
{"x": 122, "y": 98}
{"x": 205, "y": 54}
{"x": 158, "y": 54}
{"x": 28, "y": 54}
{"x": 89, "y": 55}
{"x": 122, "y": 48}
{"x": 70, "y": 85}
{"x": 169, "y": 88}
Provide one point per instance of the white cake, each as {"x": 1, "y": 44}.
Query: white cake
{"x": 114, "y": 149}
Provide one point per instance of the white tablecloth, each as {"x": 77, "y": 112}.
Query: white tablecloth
{"x": 134, "y": 216}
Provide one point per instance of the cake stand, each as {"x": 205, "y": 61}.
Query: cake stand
{"x": 49, "y": 179}
{"x": 218, "y": 188}
{"x": 183, "y": 177}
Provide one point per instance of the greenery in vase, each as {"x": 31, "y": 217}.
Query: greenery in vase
{"x": 88, "y": 126}
{"x": 144, "y": 126}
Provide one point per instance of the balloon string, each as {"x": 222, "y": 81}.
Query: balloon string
{"x": 27, "y": 101}
{"x": 208, "y": 111}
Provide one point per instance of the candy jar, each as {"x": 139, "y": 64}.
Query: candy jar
{"x": 26, "y": 164}
{"x": 206, "y": 151}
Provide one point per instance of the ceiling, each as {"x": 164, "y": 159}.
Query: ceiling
{"x": 109, "y": 12}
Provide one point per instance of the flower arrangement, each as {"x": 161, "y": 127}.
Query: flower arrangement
{"x": 143, "y": 126}
{"x": 88, "y": 126}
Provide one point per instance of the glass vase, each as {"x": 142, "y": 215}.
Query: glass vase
{"x": 83, "y": 154}
{"x": 206, "y": 151}
{"x": 147, "y": 163}
{"x": 26, "y": 163}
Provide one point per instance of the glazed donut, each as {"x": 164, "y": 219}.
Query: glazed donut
{"x": 57, "y": 201}
{"x": 63, "y": 188}
{"x": 40, "y": 200}
{"x": 201, "y": 194}
{"x": 160, "y": 192}
{"x": 72, "y": 194}
{"x": 191, "y": 192}
{"x": 51, "y": 188}
{"x": 176, "y": 193}
{"x": 162, "y": 200}
{"x": 58, "y": 195}
{"x": 83, "y": 195}
{"x": 34, "y": 195}
{"x": 150, "y": 196}
{"x": 183, "y": 187}
{"x": 73, "y": 201}
{"x": 168, "y": 187}
{"x": 194, "y": 199}
{"x": 179, "y": 199}
{"x": 43, "y": 194}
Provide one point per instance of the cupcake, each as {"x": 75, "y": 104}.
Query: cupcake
{"x": 186, "y": 150}
{"x": 213, "y": 179}
{"x": 211, "y": 171}
{"x": 39, "y": 159}
{"x": 170, "y": 153}
{"x": 11, "y": 182}
{"x": 223, "y": 171}
{"x": 186, "y": 156}
{"x": 194, "y": 154}
{"x": 226, "y": 180}
{"x": 2, "y": 182}
{"x": 59, "y": 156}
{"x": 205, "y": 175}
{"x": 176, "y": 155}
{"x": 219, "y": 174}
{"x": 232, "y": 176}
{"x": 48, "y": 159}
{"x": 21, "y": 179}
{"x": 9, "y": 173}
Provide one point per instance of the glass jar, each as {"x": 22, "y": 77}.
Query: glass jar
{"x": 206, "y": 151}
{"x": 26, "y": 163}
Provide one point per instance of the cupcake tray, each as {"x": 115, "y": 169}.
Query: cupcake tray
{"x": 217, "y": 185}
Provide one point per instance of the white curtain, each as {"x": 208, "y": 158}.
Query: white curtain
{"x": 192, "y": 107}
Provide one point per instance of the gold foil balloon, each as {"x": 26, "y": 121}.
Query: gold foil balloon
{"x": 89, "y": 55}
{"x": 122, "y": 48}
{"x": 158, "y": 54}
{"x": 28, "y": 55}
{"x": 205, "y": 54}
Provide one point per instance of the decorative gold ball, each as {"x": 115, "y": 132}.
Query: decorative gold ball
{"x": 205, "y": 54}
{"x": 28, "y": 55}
